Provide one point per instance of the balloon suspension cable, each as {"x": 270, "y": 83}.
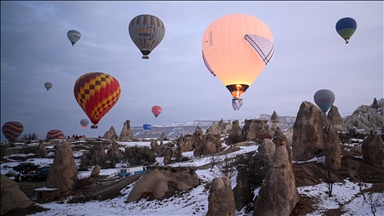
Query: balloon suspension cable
{"x": 237, "y": 103}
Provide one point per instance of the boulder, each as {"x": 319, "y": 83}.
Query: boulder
{"x": 373, "y": 149}
{"x": 62, "y": 173}
{"x": 332, "y": 149}
{"x": 96, "y": 171}
{"x": 235, "y": 135}
{"x": 126, "y": 133}
{"x": 278, "y": 194}
{"x": 110, "y": 134}
{"x": 11, "y": 196}
{"x": 161, "y": 182}
{"x": 221, "y": 200}
{"x": 307, "y": 138}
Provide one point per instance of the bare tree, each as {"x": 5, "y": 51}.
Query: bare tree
{"x": 372, "y": 200}
{"x": 330, "y": 180}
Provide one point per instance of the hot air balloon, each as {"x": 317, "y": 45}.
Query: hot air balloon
{"x": 146, "y": 31}
{"x": 147, "y": 127}
{"x": 236, "y": 49}
{"x": 345, "y": 27}
{"x": 324, "y": 99}
{"x": 73, "y": 36}
{"x": 12, "y": 130}
{"x": 96, "y": 93}
{"x": 55, "y": 134}
{"x": 84, "y": 123}
{"x": 48, "y": 85}
{"x": 156, "y": 110}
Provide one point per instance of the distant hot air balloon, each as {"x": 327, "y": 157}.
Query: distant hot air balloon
{"x": 96, "y": 93}
{"x": 236, "y": 49}
{"x": 55, "y": 134}
{"x": 156, "y": 110}
{"x": 48, "y": 85}
{"x": 345, "y": 27}
{"x": 146, "y": 31}
{"x": 324, "y": 99}
{"x": 84, "y": 123}
{"x": 73, "y": 36}
{"x": 12, "y": 130}
{"x": 147, "y": 127}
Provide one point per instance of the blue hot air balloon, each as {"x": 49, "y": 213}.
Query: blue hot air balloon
{"x": 324, "y": 99}
{"x": 147, "y": 127}
{"x": 345, "y": 27}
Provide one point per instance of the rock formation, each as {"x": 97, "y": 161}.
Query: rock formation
{"x": 308, "y": 132}
{"x": 160, "y": 182}
{"x": 259, "y": 164}
{"x": 96, "y": 171}
{"x": 114, "y": 152}
{"x": 373, "y": 149}
{"x": 126, "y": 133}
{"x": 98, "y": 155}
{"x": 214, "y": 129}
{"x": 275, "y": 121}
{"x": 256, "y": 130}
{"x": 211, "y": 144}
{"x": 332, "y": 149}
{"x": 221, "y": 200}
{"x": 41, "y": 151}
{"x": 110, "y": 134}
{"x": 154, "y": 147}
{"x": 235, "y": 135}
{"x": 198, "y": 140}
{"x": 278, "y": 194}
{"x": 242, "y": 192}
{"x": 336, "y": 119}
{"x": 163, "y": 136}
{"x": 63, "y": 171}
{"x": 168, "y": 153}
{"x": 11, "y": 196}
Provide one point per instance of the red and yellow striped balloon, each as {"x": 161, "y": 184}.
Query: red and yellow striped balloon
{"x": 55, "y": 134}
{"x": 12, "y": 130}
{"x": 96, "y": 93}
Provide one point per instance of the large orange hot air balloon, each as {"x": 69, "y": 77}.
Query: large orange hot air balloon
{"x": 156, "y": 110}
{"x": 236, "y": 49}
{"x": 96, "y": 93}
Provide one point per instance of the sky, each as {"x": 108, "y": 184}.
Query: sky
{"x": 195, "y": 202}
{"x": 309, "y": 55}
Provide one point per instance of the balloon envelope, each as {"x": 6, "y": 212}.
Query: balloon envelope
{"x": 156, "y": 110}
{"x": 48, "y": 85}
{"x": 96, "y": 93}
{"x": 84, "y": 123}
{"x": 12, "y": 130}
{"x": 324, "y": 99}
{"x": 146, "y": 31}
{"x": 73, "y": 36}
{"x": 147, "y": 127}
{"x": 346, "y": 27}
{"x": 55, "y": 134}
{"x": 236, "y": 49}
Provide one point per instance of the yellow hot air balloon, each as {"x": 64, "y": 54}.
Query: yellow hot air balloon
{"x": 236, "y": 49}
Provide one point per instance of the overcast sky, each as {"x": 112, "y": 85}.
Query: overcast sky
{"x": 309, "y": 55}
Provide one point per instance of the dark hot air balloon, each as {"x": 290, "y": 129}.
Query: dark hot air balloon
{"x": 55, "y": 134}
{"x": 324, "y": 99}
{"x": 146, "y": 31}
{"x": 48, "y": 85}
{"x": 84, "y": 123}
{"x": 96, "y": 93}
{"x": 12, "y": 130}
{"x": 346, "y": 27}
{"x": 156, "y": 110}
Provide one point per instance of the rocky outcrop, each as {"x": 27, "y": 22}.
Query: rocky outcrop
{"x": 275, "y": 121}
{"x": 96, "y": 171}
{"x": 336, "y": 119}
{"x": 224, "y": 127}
{"x": 110, "y": 134}
{"x": 259, "y": 163}
{"x": 214, "y": 129}
{"x": 63, "y": 172}
{"x": 235, "y": 135}
{"x": 41, "y": 151}
{"x": 154, "y": 147}
{"x": 198, "y": 140}
{"x": 168, "y": 155}
{"x": 114, "y": 152}
{"x": 161, "y": 182}
{"x": 256, "y": 130}
{"x": 212, "y": 143}
{"x": 278, "y": 194}
{"x": 308, "y": 132}
{"x": 373, "y": 149}
{"x": 186, "y": 143}
{"x": 98, "y": 155}
{"x": 242, "y": 192}
{"x": 126, "y": 133}
{"x": 163, "y": 136}
{"x": 332, "y": 149}
{"x": 221, "y": 200}
{"x": 11, "y": 196}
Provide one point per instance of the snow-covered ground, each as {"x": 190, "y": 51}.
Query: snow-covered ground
{"x": 195, "y": 202}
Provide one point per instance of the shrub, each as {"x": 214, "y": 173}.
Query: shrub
{"x": 138, "y": 156}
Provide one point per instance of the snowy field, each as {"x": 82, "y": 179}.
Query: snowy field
{"x": 195, "y": 202}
